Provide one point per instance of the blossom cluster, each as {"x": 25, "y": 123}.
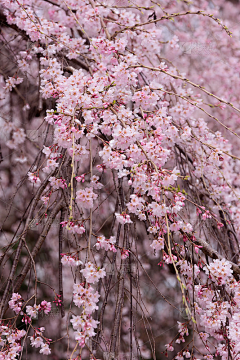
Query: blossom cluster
{"x": 16, "y": 303}
{"x": 86, "y": 298}
{"x": 106, "y": 244}
{"x": 10, "y": 342}
{"x": 38, "y": 341}
{"x": 220, "y": 271}
{"x": 134, "y": 113}
{"x": 73, "y": 227}
{"x": 11, "y": 347}
{"x": 86, "y": 197}
{"x": 93, "y": 274}
{"x": 68, "y": 260}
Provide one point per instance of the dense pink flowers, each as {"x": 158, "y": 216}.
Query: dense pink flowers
{"x": 16, "y": 303}
{"x": 131, "y": 142}
{"x": 219, "y": 271}
{"x": 86, "y": 197}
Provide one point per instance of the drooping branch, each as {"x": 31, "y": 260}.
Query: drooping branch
{"x": 21, "y": 243}
{"x": 20, "y": 278}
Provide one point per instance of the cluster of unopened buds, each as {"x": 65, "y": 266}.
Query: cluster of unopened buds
{"x": 80, "y": 178}
{"x": 219, "y": 225}
{"x": 58, "y": 301}
{"x": 196, "y": 248}
{"x": 124, "y": 254}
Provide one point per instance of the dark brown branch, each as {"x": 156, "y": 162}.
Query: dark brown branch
{"x": 20, "y": 245}
{"x": 36, "y": 249}
{"x": 213, "y": 254}
{"x": 63, "y": 211}
{"x": 4, "y": 22}
{"x": 38, "y": 244}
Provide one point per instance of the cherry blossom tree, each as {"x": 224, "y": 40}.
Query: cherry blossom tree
{"x": 120, "y": 185}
